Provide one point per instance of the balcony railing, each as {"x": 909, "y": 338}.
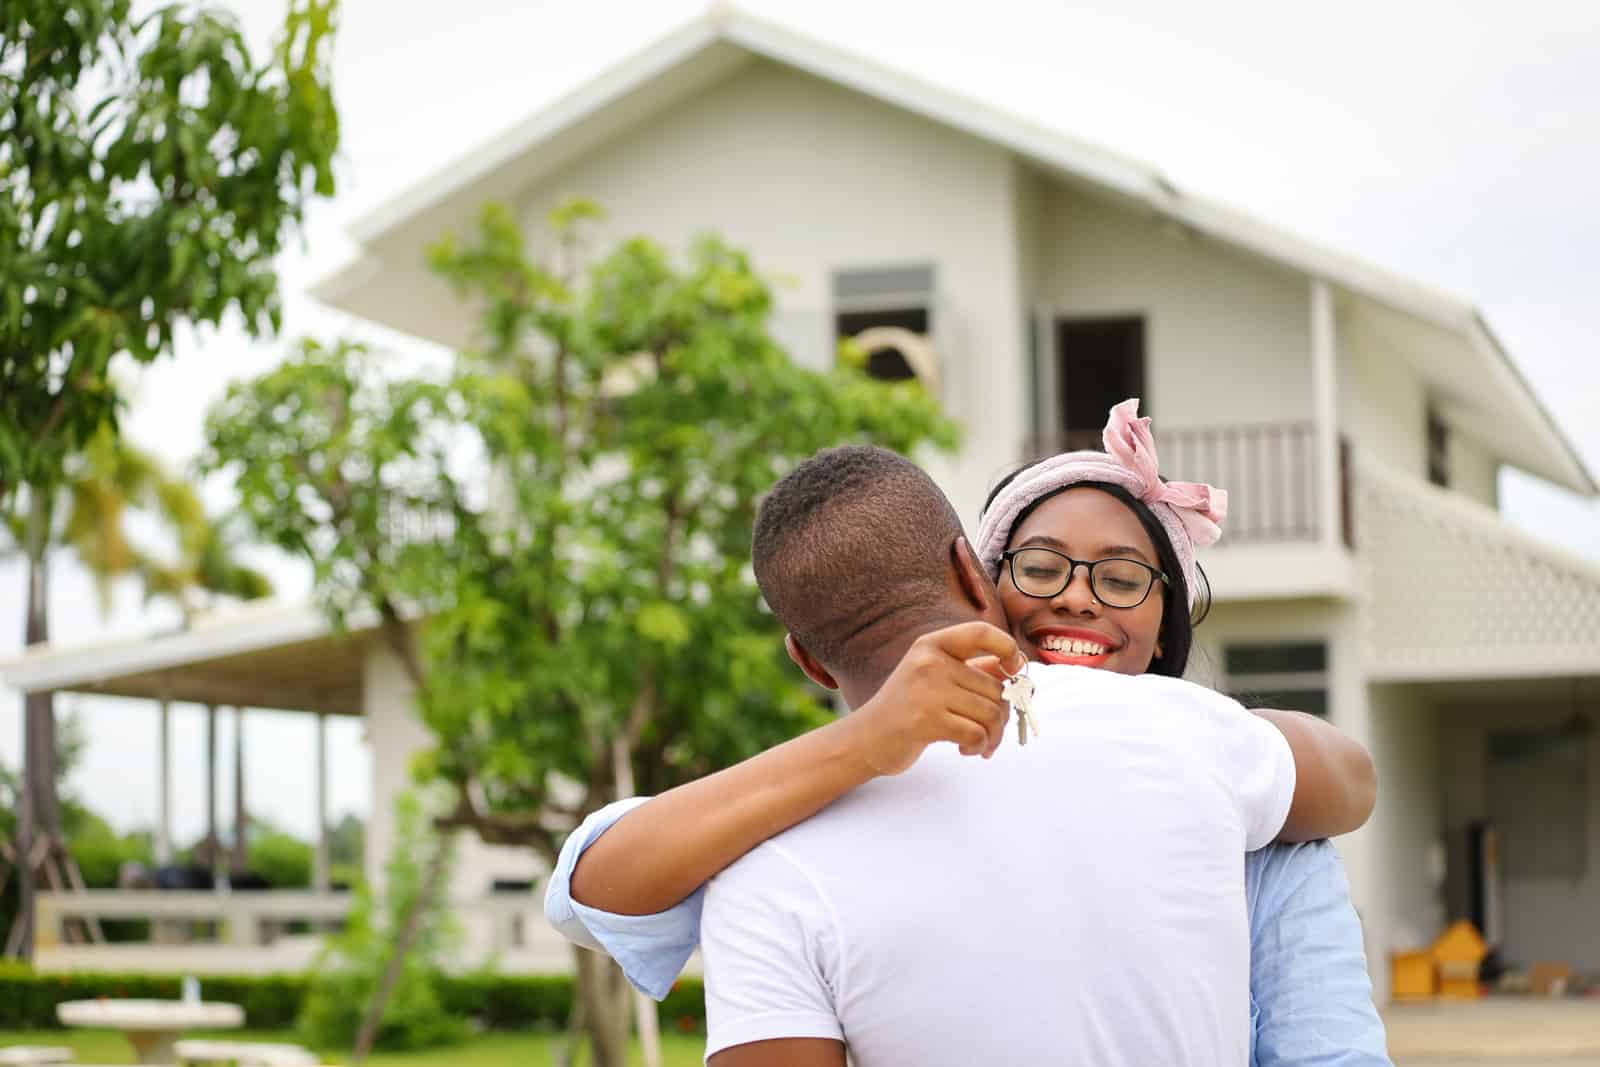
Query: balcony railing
{"x": 1269, "y": 471}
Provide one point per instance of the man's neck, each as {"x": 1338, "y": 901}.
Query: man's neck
{"x": 860, "y": 685}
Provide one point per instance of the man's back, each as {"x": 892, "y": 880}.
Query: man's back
{"x": 1079, "y": 900}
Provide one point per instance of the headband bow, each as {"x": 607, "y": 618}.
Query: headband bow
{"x": 1200, "y": 507}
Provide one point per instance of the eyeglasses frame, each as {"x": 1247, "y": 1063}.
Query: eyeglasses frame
{"x": 1009, "y": 558}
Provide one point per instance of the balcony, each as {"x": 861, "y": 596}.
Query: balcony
{"x": 1276, "y": 541}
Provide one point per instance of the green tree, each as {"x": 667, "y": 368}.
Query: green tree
{"x": 347, "y": 844}
{"x": 555, "y": 536}
{"x": 150, "y": 170}
{"x": 282, "y": 859}
{"x": 87, "y": 514}
{"x": 348, "y": 972}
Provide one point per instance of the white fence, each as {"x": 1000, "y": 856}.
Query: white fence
{"x": 252, "y": 931}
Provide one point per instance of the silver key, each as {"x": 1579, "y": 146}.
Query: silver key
{"x": 1018, "y": 692}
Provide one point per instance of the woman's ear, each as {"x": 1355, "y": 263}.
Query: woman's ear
{"x": 808, "y": 663}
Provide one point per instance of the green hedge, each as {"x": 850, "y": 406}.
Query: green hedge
{"x": 271, "y": 1002}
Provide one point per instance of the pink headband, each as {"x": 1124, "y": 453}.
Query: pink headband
{"x": 1190, "y": 512}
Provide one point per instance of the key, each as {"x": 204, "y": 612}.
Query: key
{"x": 1018, "y": 692}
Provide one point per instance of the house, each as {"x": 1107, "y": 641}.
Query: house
{"x": 1359, "y": 420}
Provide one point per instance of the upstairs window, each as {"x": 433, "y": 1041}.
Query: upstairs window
{"x": 1290, "y": 675}
{"x": 891, "y": 310}
{"x": 1438, "y": 450}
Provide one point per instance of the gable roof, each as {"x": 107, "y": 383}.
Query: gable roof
{"x": 712, "y": 46}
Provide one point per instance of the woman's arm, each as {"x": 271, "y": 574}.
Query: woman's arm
{"x": 659, "y": 853}
{"x": 1308, "y": 972}
{"x": 1336, "y": 785}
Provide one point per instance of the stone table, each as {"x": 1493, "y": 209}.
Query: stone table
{"x": 152, "y": 1026}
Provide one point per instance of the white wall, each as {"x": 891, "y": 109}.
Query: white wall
{"x": 1382, "y": 401}
{"x": 1474, "y": 471}
{"x": 1549, "y": 918}
{"x": 812, "y": 178}
{"x": 1409, "y": 822}
{"x": 395, "y": 735}
{"x": 1227, "y": 334}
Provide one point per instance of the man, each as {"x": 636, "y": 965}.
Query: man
{"x": 1000, "y": 914}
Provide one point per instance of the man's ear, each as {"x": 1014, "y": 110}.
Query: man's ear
{"x": 808, "y": 663}
{"x": 975, "y": 584}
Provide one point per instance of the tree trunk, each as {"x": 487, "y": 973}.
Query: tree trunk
{"x": 37, "y": 811}
{"x": 604, "y": 992}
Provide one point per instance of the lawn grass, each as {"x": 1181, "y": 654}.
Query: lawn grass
{"x": 486, "y": 1050}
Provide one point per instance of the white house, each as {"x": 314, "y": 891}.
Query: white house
{"x": 1359, "y": 420}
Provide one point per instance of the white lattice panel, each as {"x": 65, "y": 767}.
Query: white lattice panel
{"x": 1454, "y": 591}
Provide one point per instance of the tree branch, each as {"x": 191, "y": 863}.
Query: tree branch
{"x": 526, "y": 828}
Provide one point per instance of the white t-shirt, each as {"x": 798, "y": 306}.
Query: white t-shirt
{"x": 1077, "y": 901}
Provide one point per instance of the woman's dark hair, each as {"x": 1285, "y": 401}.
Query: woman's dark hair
{"x": 1177, "y": 621}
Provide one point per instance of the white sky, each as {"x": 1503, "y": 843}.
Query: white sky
{"x": 1454, "y": 141}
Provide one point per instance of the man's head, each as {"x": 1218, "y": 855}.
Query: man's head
{"x": 858, "y": 552}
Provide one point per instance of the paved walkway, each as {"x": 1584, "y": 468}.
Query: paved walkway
{"x": 1498, "y": 1031}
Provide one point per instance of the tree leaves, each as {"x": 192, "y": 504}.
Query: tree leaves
{"x": 595, "y": 464}
{"x": 149, "y": 172}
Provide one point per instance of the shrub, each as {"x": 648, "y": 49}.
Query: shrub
{"x": 349, "y": 971}
{"x": 274, "y": 1002}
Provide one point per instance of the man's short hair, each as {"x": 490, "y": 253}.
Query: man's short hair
{"x": 852, "y": 537}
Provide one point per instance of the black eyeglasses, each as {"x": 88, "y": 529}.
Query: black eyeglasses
{"x": 1116, "y": 583}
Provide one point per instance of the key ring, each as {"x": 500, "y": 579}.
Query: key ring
{"x": 1010, "y": 676}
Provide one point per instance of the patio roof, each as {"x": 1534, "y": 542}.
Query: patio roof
{"x": 273, "y": 655}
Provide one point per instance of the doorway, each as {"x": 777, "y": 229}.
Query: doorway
{"x": 1099, "y": 363}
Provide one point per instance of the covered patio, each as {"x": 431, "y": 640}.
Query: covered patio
{"x": 283, "y": 658}
{"x": 274, "y": 657}
{"x": 1482, "y": 653}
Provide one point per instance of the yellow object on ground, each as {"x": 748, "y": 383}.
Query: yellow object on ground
{"x": 1459, "y": 954}
{"x": 1413, "y": 975}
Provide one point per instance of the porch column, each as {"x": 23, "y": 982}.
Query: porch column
{"x": 211, "y": 787}
{"x": 1325, "y": 412}
{"x": 241, "y": 810}
{"x": 164, "y": 807}
{"x": 320, "y": 880}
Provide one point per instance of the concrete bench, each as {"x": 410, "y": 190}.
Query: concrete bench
{"x": 244, "y": 1054}
{"x": 31, "y": 1054}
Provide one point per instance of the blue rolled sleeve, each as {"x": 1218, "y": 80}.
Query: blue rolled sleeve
{"x": 1311, "y": 996}
{"x": 651, "y": 949}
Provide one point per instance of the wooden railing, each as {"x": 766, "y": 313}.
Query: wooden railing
{"x": 1269, "y": 471}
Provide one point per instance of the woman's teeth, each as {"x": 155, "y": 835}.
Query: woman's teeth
{"x": 1073, "y": 646}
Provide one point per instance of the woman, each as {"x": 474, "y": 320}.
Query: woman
{"x": 1094, "y": 557}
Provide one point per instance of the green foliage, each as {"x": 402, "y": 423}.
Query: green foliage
{"x": 28, "y": 999}
{"x": 570, "y": 509}
{"x": 494, "y": 1001}
{"x": 348, "y": 973}
{"x": 98, "y": 849}
{"x": 282, "y": 859}
{"x": 150, "y": 170}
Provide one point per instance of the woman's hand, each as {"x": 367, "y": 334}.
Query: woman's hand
{"x": 945, "y": 688}
{"x": 662, "y": 851}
